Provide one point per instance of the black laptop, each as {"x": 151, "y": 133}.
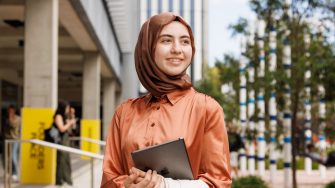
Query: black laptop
{"x": 169, "y": 159}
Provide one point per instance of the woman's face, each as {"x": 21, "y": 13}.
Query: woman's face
{"x": 173, "y": 51}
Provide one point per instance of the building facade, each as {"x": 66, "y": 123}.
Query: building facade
{"x": 75, "y": 50}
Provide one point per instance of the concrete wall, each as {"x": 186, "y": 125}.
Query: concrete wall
{"x": 96, "y": 19}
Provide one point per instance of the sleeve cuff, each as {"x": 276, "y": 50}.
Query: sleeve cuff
{"x": 171, "y": 183}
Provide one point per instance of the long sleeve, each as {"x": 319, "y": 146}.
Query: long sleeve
{"x": 171, "y": 183}
{"x": 215, "y": 160}
{"x": 113, "y": 174}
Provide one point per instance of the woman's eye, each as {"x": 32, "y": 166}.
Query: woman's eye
{"x": 186, "y": 42}
{"x": 166, "y": 41}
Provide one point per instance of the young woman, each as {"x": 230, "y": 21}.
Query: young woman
{"x": 171, "y": 110}
{"x": 63, "y": 168}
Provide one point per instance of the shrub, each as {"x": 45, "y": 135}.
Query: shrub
{"x": 330, "y": 185}
{"x": 249, "y": 182}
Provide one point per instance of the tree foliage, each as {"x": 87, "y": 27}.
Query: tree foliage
{"x": 313, "y": 17}
{"x": 322, "y": 51}
{"x": 225, "y": 72}
{"x": 321, "y": 60}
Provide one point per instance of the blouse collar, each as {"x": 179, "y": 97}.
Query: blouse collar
{"x": 172, "y": 97}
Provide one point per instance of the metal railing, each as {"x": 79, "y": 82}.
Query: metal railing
{"x": 8, "y": 156}
{"x": 99, "y": 142}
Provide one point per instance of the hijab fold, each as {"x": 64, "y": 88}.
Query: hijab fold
{"x": 152, "y": 78}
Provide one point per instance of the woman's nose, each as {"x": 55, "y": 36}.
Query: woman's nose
{"x": 176, "y": 48}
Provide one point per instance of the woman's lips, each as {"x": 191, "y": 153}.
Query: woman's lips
{"x": 175, "y": 60}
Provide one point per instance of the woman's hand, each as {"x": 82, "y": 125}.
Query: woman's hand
{"x": 140, "y": 179}
{"x": 72, "y": 122}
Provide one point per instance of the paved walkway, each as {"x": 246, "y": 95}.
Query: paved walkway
{"x": 81, "y": 175}
{"x": 304, "y": 180}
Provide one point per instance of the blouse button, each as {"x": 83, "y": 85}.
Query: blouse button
{"x": 153, "y": 124}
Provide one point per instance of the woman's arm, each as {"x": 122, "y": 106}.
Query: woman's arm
{"x": 215, "y": 160}
{"x": 60, "y": 123}
{"x": 113, "y": 173}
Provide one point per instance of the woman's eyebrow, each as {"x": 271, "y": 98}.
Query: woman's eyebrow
{"x": 171, "y": 36}
{"x": 165, "y": 35}
{"x": 185, "y": 36}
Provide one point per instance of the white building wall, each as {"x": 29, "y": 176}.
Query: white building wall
{"x": 197, "y": 30}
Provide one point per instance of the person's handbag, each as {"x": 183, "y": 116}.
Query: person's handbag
{"x": 52, "y": 135}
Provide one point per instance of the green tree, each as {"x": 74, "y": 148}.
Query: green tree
{"x": 225, "y": 72}
{"x": 322, "y": 52}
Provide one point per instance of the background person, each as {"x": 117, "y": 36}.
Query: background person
{"x": 235, "y": 144}
{"x": 11, "y": 130}
{"x": 63, "y": 169}
{"x": 72, "y": 116}
{"x": 171, "y": 110}
{"x": 319, "y": 156}
{"x": 75, "y": 130}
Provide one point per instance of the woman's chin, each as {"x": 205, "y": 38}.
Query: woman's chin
{"x": 174, "y": 73}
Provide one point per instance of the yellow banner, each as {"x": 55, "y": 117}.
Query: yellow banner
{"x": 90, "y": 129}
{"x": 38, "y": 163}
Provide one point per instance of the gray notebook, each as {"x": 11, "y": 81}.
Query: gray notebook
{"x": 169, "y": 159}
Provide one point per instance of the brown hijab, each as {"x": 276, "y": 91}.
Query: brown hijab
{"x": 152, "y": 78}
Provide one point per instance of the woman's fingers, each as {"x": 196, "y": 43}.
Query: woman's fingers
{"x": 140, "y": 174}
{"x": 146, "y": 180}
{"x": 138, "y": 180}
{"x": 130, "y": 180}
{"x": 155, "y": 180}
{"x": 149, "y": 179}
{"x": 137, "y": 171}
{"x": 159, "y": 181}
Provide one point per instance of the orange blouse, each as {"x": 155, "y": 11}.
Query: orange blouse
{"x": 147, "y": 121}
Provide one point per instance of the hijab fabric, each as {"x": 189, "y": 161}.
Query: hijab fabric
{"x": 152, "y": 78}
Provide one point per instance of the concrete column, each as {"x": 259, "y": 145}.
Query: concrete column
{"x": 129, "y": 77}
{"x": 19, "y": 97}
{"x": 41, "y": 53}
{"x": 117, "y": 98}
{"x": 109, "y": 103}
{"x": 91, "y": 86}
{"x": 130, "y": 82}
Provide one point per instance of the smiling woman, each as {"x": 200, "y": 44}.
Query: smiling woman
{"x": 173, "y": 52}
{"x": 172, "y": 109}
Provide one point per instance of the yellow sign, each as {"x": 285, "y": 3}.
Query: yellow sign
{"x": 38, "y": 163}
{"x": 90, "y": 129}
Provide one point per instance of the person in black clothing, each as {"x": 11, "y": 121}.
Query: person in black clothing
{"x": 327, "y": 161}
{"x": 60, "y": 120}
{"x": 235, "y": 144}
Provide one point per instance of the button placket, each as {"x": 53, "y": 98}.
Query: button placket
{"x": 153, "y": 120}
